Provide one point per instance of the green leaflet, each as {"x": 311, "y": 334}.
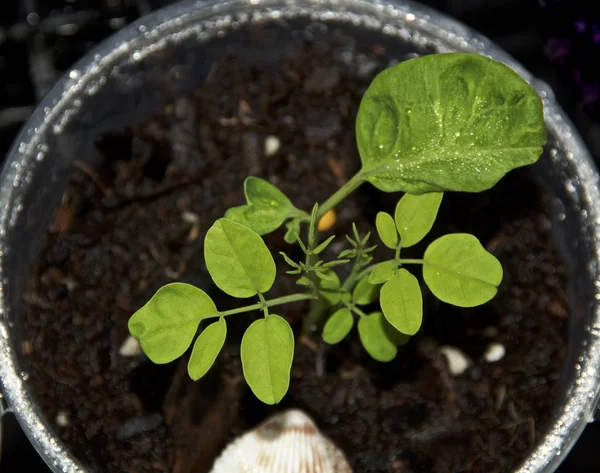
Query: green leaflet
{"x": 415, "y": 215}
{"x": 402, "y": 302}
{"x": 338, "y": 326}
{"x": 292, "y": 229}
{"x": 267, "y": 207}
{"x": 382, "y": 272}
{"x": 237, "y": 259}
{"x": 365, "y": 293}
{"x": 459, "y": 271}
{"x": 267, "y": 352}
{"x": 167, "y": 323}
{"x": 456, "y": 121}
{"x": 386, "y": 228}
{"x": 207, "y": 348}
{"x": 321, "y": 247}
{"x": 378, "y": 338}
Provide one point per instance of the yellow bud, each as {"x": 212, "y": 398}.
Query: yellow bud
{"x": 327, "y": 221}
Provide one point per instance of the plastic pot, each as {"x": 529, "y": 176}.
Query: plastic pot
{"x": 169, "y": 53}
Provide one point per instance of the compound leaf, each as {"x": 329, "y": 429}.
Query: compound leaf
{"x": 374, "y": 336}
{"x": 330, "y": 287}
{"x": 165, "y": 326}
{"x": 415, "y": 215}
{"x": 266, "y": 209}
{"x": 365, "y": 293}
{"x": 402, "y": 302}
{"x": 207, "y": 348}
{"x": 267, "y": 352}
{"x": 238, "y": 259}
{"x": 382, "y": 272}
{"x": 338, "y": 326}
{"x": 386, "y": 229}
{"x": 459, "y": 271}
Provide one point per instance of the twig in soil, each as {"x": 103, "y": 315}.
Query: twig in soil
{"x": 531, "y": 426}
{"x": 320, "y": 360}
{"x": 308, "y": 342}
{"x": 163, "y": 191}
{"x": 36, "y": 301}
{"x": 212, "y": 73}
{"x": 93, "y": 175}
{"x": 454, "y": 399}
{"x": 500, "y": 396}
{"x": 210, "y": 419}
{"x": 170, "y": 272}
{"x": 338, "y": 168}
{"x": 512, "y": 411}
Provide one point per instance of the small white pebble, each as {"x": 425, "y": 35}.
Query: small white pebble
{"x": 494, "y": 352}
{"x": 62, "y": 419}
{"x": 189, "y": 217}
{"x": 272, "y": 145}
{"x": 458, "y": 362}
{"x": 70, "y": 283}
{"x": 130, "y": 347}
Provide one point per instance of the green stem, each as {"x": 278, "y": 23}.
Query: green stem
{"x": 317, "y": 309}
{"x": 397, "y": 253}
{"x": 353, "y": 276}
{"x": 411, "y": 261}
{"x": 341, "y": 194}
{"x": 355, "y": 309}
{"x": 269, "y": 303}
{"x": 365, "y": 272}
{"x": 263, "y": 303}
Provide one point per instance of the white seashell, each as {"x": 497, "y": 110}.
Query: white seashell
{"x": 288, "y": 442}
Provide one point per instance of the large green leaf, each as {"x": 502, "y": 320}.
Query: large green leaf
{"x": 267, "y": 352}
{"x": 167, "y": 323}
{"x": 402, "y": 302}
{"x": 267, "y": 207}
{"x": 338, "y": 326}
{"x": 456, "y": 121}
{"x": 459, "y": 271}
{"x": 238, "y": 259}
{"x": 365, "y": 293}
{"x": 374, "y": 336}
{"x": 207, "y": 348}
{"x": 415, "y": 215}
{"x": 386, "y": 229}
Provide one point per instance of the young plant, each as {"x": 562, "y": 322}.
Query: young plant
{"x": 447, "y": 122}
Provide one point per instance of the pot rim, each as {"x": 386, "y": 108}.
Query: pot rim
{"x": 156, "y": 29}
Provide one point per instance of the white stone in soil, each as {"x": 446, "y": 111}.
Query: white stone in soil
{"x": 62, "y": 419}
{"x": 130, "y": 347}
{"x": 494, "y": 352}
{"x": 458, "y": 362}
{"x": 189, "y": 217}
{"x": 272, "y": 145}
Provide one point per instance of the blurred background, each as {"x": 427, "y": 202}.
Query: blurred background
{"x": 557, "y": 40}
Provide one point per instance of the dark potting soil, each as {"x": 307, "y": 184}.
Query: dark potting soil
{"x": 137, "y": 221}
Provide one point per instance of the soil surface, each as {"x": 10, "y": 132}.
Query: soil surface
{"x": 137, "y": 221}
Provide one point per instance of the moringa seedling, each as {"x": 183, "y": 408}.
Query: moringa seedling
{"x": 446, "y": 122}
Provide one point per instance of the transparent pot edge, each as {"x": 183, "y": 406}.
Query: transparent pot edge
{"x": 20, "y": 161}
